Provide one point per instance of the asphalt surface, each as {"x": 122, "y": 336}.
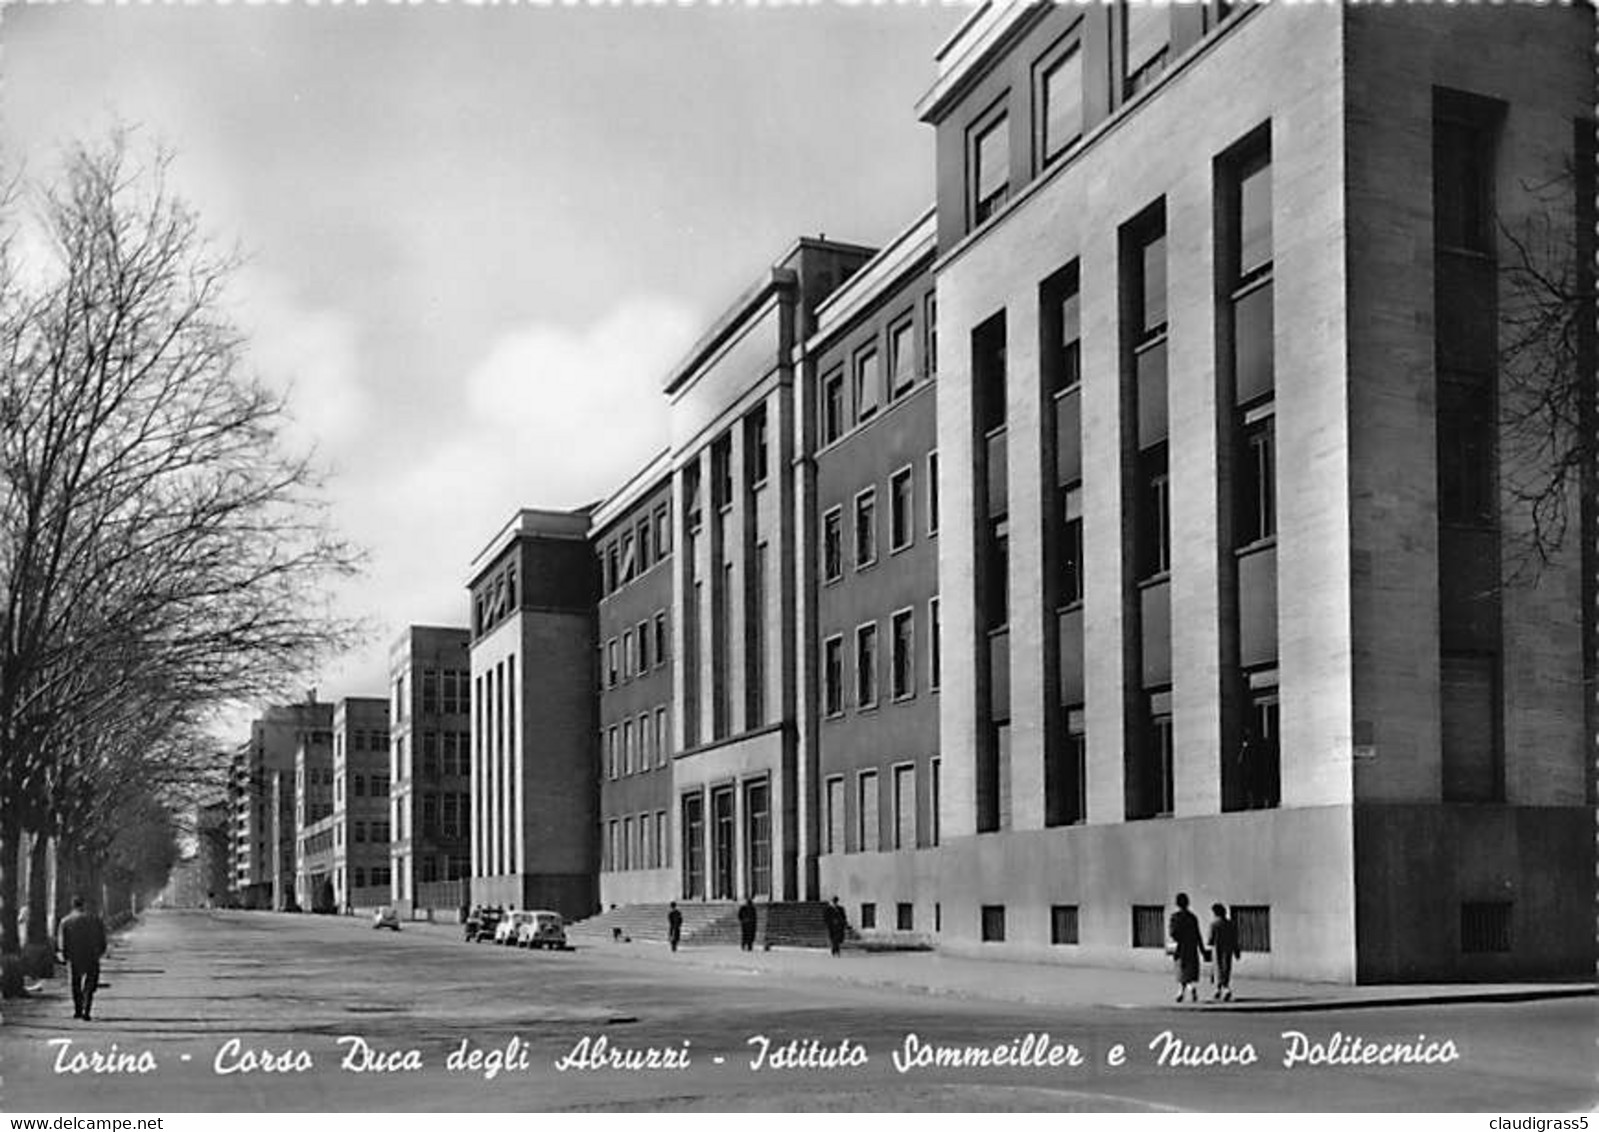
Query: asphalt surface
{"x": 237, "y": 1011}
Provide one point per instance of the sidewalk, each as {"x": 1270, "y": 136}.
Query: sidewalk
{"x": 1052, "y": 984}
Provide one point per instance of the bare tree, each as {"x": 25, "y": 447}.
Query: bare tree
{"x": 158, "y": 546}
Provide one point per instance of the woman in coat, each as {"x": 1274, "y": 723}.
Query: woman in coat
{"x": 1187, "y": 948}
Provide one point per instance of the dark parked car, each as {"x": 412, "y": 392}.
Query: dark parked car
{"x": 481, "y": 922}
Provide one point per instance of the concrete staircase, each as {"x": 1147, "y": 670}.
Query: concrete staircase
{"x": 799, "y": 923}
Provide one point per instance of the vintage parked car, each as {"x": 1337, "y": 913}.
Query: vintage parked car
{"x": 386, "y": 917}
{"x": 541, "y": 929}
{"x": 505, "y": 931}
{"x": 480, "y": 924}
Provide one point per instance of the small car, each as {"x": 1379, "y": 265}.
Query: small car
{"x": 481, "y": 923}
{"x": 386, "y": 917}
{"x": 541, "y": 929}
{"x": 505, "y": 931}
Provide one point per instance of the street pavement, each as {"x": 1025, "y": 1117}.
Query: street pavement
{"x": 231, "y": 1011}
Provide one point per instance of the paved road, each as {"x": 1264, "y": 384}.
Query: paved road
{"x": 269, "y": 997}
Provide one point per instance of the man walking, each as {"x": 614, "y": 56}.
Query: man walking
{"x": 82, "y": 941}
{"x": 837, "y": 925}
{"x": 746, "y": 925}
{"x": 674, "y": 926}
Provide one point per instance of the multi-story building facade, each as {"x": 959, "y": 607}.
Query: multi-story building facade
{"x": 431, "y": 851}
{"x": 1175, "y": 242}
{"x": 361, "y": 819}
{"x": 313, "y": 820}
{"x": 632, "y": 538}
{"x": 1148, "y": 516}
{"x": 261, "y": 785}
{"x": 868, "y": 570}
{"x": 732, "y": 408}
{"x": 534, "y": 718}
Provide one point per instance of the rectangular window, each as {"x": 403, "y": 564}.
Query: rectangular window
{"x": 866, "y": 528}
{"x": 868, "y": 915}
{"x": 930, "y": 336}
{"x": 629, "y": 559}
{"x": 902, "y": 357}
{"x": 1058, "y": 98}
{"x": 933, "y": 817}
{"x": 1065, "y": 773}
{"x": 993, "y": 923}
{"x": 901, "y": 521}
{"x": 755, "y": 639}
{"x": 1468, "y": 708}
{"x": 1467, "y": 454}
{"x": 722, "y": 472}
{"x": 1152, "y": 782}
{"x": 905, "y": 807}
{"x": 613, "y": 666}
{"x": 1485, "y": 927}
{"x": 1071, "y": 549}
{"x": 833, "y": 545}
{"x": 1154, "y": 514}
{"x": 1463, "y": 175}
{"x": 866, "y": 666}
{"x": 1149, "y": 925}
{"x": 629, "y": 655}
{"x": 629, "y": 749}
{"x": 932, "y": 493}
{"x": 643, "y": 539}
{"x": 663, "y": 737}
{"x": 988, "y": 150}
{"x": 868, "y": 384}
{"x": 904, "y": 917}
{"x": 833, "y": 676}
{"x": 430, "y": 692}
{"x": 832, "y": 406}
{"x": 1253, "y": 923}
{"x": 1147, "y": 39}
{"x": 902, "y": 660}
{"x": 934, "y": 659}
{"x": 755, "y": 447}
{"x": 868, "y": 817}
{"x": 693, "y": 846}
{"x": 663, "y": 530}
{"x": 1062, "y": 924}
{"x": 834, "y": 832}
{"x": 661, "y": 647}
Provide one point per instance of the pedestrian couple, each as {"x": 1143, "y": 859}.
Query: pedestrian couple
{"x": 1188, "y": 948}
{"x": 747, "y": 921}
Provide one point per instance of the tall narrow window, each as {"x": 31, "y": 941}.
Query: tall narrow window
{"x": 988, "y": 158}
{"x": 755, "y": 447}
{"x": 834, "y": 832}
{"x": 832, "y": 406}
{"x": 934, "y": 660}
{"x": 905, "y": 807}
{"x": 901, "y": 521}
{"x": 902, "y": 352}
{"x": 1146, "y": 41}
{"x": 866, "y": 666}
{"x": 833, "y": 545}
{"x": 932, "y": 493}
{"x": 833, "y": 676}
{"x": 868, "y": 384}
{"x": 1058, "y": 98}
{"x": 903, "y": 660}
{"x": 866, "y": 528}
{"x": 868, "y": 813}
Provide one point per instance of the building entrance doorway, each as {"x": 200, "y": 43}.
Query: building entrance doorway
{"x": 723, "y": 830}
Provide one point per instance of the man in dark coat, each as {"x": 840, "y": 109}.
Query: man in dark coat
{"x": 674, "y": 926}
{"x": 746, "y": 925}
{"x": 1187, "y": 947}
{"x": 82, "y": 940}
{"x": 837, "y": 925}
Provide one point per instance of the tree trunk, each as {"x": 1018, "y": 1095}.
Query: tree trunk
{"x": 38, "y": 890}
{"x": 10, "y": 859}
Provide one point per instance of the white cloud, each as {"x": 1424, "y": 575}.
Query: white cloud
{"x": 550, "y": 416}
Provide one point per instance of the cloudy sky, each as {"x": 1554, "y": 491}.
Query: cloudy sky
{"x": 478, "y": 236}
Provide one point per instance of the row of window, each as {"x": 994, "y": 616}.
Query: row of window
{"x": 1149, "y": 925}
{"x": 630, "y": 748}
{"x": 364, "y": 740}
{"x": 445, "y": 816}
{"x": 495, "y": 600}
{"x": 316, "y": 843}
{"x": 867, "y": 389}
{"x": 902, "y": 661}
{"x": 448, "y": 753}
{"x": 635, "y": 550}
{"x": 1058, "y": 79}
{"x": 449, "y": 691}
{"x": 866, "y": 835}
{"x": 901, "y": 521}
{"x": 637, "y": 651}
{"x": 379, "y": 876}
{"x": 379, "y": 831}
{"x": 437, "y": 867}
{"x": 640, "y": 842}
